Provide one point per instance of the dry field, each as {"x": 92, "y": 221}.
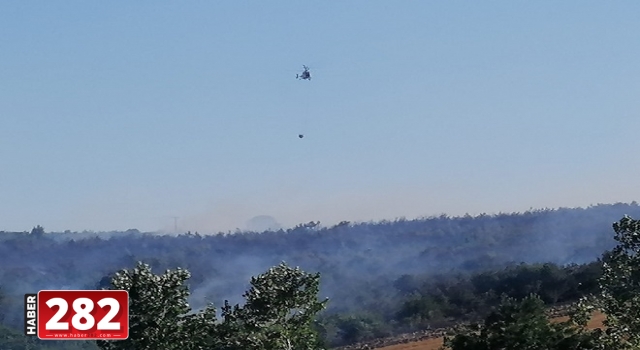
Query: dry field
{"x": 595, "y": 322}
{"x": 435, "y": 343}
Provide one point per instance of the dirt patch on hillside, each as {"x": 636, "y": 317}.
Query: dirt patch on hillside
{"x": 432, "y": 339}
{"x": 429, "y": 344}
{"x": 436, "y": 343}
{"x": 596, "y": 320}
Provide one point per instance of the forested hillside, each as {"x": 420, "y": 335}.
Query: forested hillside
{"x": 377, "y": 268}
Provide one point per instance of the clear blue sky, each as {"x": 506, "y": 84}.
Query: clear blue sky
{"x": 121, "y": 114}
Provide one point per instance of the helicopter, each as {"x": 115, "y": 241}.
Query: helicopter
{"x": 305, "y": 74}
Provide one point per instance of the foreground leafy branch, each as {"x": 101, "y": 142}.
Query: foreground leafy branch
{"x": 619, "y": 298}
{"x": 279, "y": 312}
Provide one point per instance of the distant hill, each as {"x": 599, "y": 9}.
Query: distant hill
{"x": 359, "y": 262}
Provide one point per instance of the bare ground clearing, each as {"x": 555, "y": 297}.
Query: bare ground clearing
{"x": 436, "y": 343}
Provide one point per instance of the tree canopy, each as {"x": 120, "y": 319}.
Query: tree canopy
{"x": 279, "y": 312}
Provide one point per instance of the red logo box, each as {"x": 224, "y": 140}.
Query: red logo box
{"x": 83, "y": 314}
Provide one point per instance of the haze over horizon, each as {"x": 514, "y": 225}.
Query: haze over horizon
{"x": 122, "y": 115}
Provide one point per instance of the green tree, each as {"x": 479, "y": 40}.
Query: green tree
{"x": 157, "y": 310}
{"x": 619, "y": 297}
{"x": 279, "y": 313}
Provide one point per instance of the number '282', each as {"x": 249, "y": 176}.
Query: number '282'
{"x": 83, "y": 314}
